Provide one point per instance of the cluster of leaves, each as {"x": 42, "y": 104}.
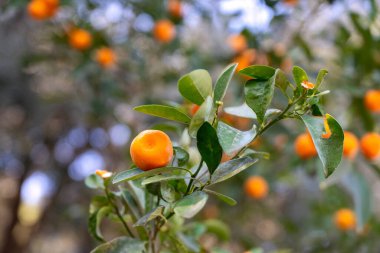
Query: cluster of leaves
{"x": 148, "y": 199}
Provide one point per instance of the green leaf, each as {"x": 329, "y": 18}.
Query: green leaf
{"x": 281, "y": 81}
{"x": 230, "y": 201}
{"x": 321, "y": 76}
{"x": 218, "y": 228}
{"x": 95, "y": 220}
{"x": 190, "y": 205}
{"x": 258, "y": 95}
{"x": 358, "y": 186}
{"x": 97, "y": 202}
{"x": 244, "y": 111}
{"x": 232, "y": 139}
{"x": 164, "y": 111}
{"x": 160, "y": 178}
{"x": 181, "y": 156}
{"x": 223, "y": 81}
{"x": 168, "y": 192}
{"x": 209, "y": 147}
{"x": 203, "y": 114}
{"x": 231, "y": 168}
{"x": 329, "y": 150}
{"x": 121, "y": 245}
{"x": 299, "y": 75}
{"x": 258, "y": 72}
{"x": 152, "y": 215}
{"x": 93, "y": 181}
{"x": 136, "y": 173}
{"x": 196, "y": 86}
{"x": 167, "y": 127}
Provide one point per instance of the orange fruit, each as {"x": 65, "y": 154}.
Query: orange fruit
{"x": 245, "y": 59}
{"x": 256, "y": 187}
{"x": 38, "y": 9}
{"x": 42, "y": 9}
{"x": 372, "y": 100}
{"x": 237, "y": 42}
{"x": 194, "y": 108}
{"x": 175, "y": 8}
{"x": 345, "y": 219}
{"x": 290, "y": 2}
{"x": 105, "y": 56}
{"x": 151, "y": 149}
{"x": 350, "y": 145}
{"x": 164, "y": 31}
{"x": 80, "y": 39}
{"x": 370, "y": 145}
{"x": 304, "y": 146}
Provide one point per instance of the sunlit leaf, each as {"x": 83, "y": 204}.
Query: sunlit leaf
{"x": 321, "y": 75}
{"x": 136, "y": 173}
{"x": 196, "y": 86}
{"x": 230, "y": 201}
{"x": 232, "y": 139}
{"x": 190, "y": 205}
{"x": 258, "y": 72}
{"x": 231, "y": 168}
{"x": 203, "y": 114}
{"x": 223, "y": 81}
{"x": 164, "y": 111}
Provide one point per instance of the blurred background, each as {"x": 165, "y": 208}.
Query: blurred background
{"x": 71, "y": 72}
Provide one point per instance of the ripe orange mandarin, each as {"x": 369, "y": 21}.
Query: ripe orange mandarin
{"x": 345, "y": 219}
{"x": 38, "y": 9}
{"x": 350, "y": 145}
{"x": 256, "y": 187}
{"x": 372, "y": 100}
{"x": 80, "y": 39}
{"x": 175, "y": 8}
{"x": 370, "y": 145}
{"x": 237, "y": 42}
{"x": 151, "y": 149}
{"x": 304, "y": 146}
{"x": 164, "y": 31}
{"x": 42, "y": 9}
{"x": 105, "y": 56}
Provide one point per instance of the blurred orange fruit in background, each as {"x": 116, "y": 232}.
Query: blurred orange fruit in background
{"x": 372, "y": 100}
{"x": 164, "y": 31}
{"x": 350, "y": 145}
{"x": 105, "y": 56}
{"x": 370, "y": 145}
{"x": 304, "y": 146}
{"x": 345, "y": 219}
{"x": 80, "y": 39}
{"x": 256, "y": 187}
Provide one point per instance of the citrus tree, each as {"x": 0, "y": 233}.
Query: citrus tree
{"x": 166, "y": 185}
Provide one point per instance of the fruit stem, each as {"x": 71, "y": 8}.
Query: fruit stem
{"x": 110, "y": 201}
{"x": 195, "y": 175}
